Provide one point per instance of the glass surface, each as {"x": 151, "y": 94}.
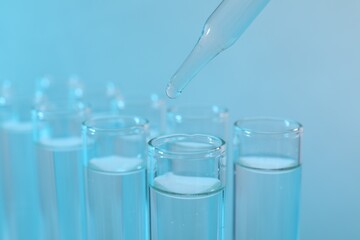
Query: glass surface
{"x": 57, "y": 135}
{"x": 213, "y": 120}
{"x": 267, "y": 178}
{"x": 187, "y": 180}
{"x": 115, "y": 166}
{"x": 18, "y": 172}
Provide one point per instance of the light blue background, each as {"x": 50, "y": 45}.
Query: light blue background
{"x": 299, "y": 59}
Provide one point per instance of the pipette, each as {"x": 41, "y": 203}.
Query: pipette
{"x": 224, "y": 26}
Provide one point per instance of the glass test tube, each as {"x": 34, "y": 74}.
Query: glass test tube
{"x": 267, "y": 178}
{"x": 5, "y": 116}
{"x": 186, "y": 203}
{"x": 213, "y": 120}
{"x": 57, "y": 134}
{"x": 152, "y": 108}
{"x": 18, "y": 170}
{"x": 116, "y": 189}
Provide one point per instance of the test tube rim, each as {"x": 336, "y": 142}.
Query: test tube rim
{"x": 294, "y": 127}
{"x": 140, "y": 123}
{"x": 215, "y": 151}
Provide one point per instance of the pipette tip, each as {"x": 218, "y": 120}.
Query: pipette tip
{"x": 172, "y": 92}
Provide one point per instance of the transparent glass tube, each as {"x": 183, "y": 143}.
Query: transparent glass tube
{"x": 225, "y": 25}
{"x": 213, "y": 120}
{"x": 267, "y": 178}
{"x": 187, "y": 202}
{"x": 18, "y": 170}
{"x": 116, "y": 190}
{"x": 57, "y": 134}
{"x": 5, "y": 116}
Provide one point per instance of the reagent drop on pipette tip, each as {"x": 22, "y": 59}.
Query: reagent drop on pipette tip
{"x": 172, "y": 92}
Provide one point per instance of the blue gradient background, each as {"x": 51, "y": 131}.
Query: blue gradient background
{"x": 299, "y": 59}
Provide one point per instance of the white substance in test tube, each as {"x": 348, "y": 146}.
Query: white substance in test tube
{"x": 116, "y": 164}
{"x": 185, "y": 184}
{"x": 62, "y": 142}
{"x": 18, "y": 126}
{"x": 268, "y": 163}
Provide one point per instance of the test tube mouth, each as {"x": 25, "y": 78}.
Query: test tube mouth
{"x": 188, "y": 146}
{"x": 115, "y": 124}
{"x": 268, "y": 126}
{"x": 198, "y": 112}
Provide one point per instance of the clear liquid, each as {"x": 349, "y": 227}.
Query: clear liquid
{"x": 61, "y": 188}
{"x": 116, "y": 199}
{"x": 19, "y": 179}
{"x": 225, "y": 25}
{"x": 267, "y": 201}
{"x": 186, "y": 208}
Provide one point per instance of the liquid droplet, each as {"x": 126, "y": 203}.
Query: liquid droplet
{"x": 172, "y": 92}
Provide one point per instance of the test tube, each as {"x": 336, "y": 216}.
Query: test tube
{"x": 116, "y": 190}
{"x": 187, "y": 203}
{"x": 213, "y": 120}
{"x": 267, "y": 178}
{"x": 57, "y": 134}
{"x": 18, "y": 168}
{"x": 225, "y": 25}
{"x": 4, "y": 116}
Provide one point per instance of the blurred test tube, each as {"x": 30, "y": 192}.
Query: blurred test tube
{"x": 57, "y": 136}
{"x": 18, "y": 166}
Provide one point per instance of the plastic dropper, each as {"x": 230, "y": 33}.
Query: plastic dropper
{"x": 224, "y": 26}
